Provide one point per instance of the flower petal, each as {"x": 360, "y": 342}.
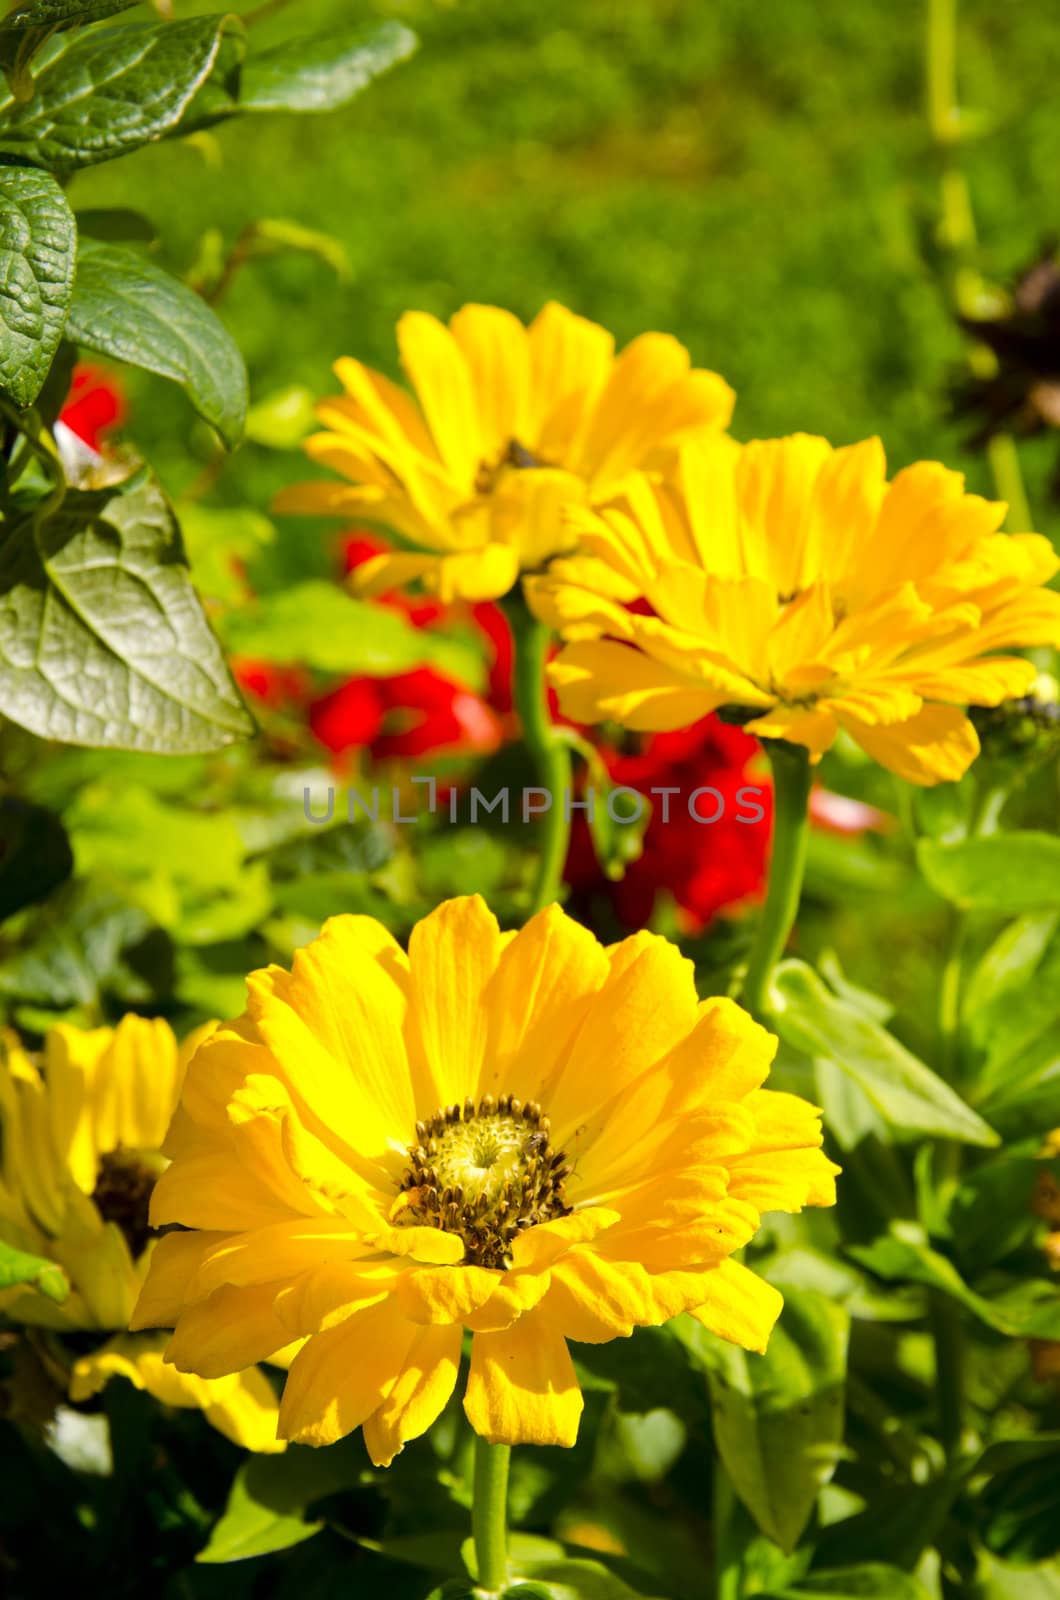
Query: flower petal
{"x": 522, "y": 1387}
{"x": 419, "y": 1396}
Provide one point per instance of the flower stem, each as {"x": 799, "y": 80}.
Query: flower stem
{"x": 792, "y": 778}
{"x": 550, "y": 752}
{"x": 489, "y": 1514}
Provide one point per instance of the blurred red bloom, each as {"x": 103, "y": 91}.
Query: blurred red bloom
{"x": 706, "y": 867}
{"x": 277, "y": 687}
{"x": 94, "y": 406}
{"x": 403, "y": 717}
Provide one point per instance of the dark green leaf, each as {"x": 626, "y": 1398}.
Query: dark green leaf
{"x": 35, "y": 854}
{"x": 80, "y": 947}
{"x": 325, "y": 73}
{"x": 855, "y": 1583}
{"x": 1018, "y": 1511}
{"x": 38, "y": 248}
{"x": 55, "y": 15}
{"x": 102, "y": 638}
{"x": 778, "y": 1418}
{"x": 1022, "y": 1309}
{"x": 1008, "y": 872}
{"x": 117, "y": 224}
{"x": 17, "y": 1267}
{"x": 141, "y": 77}
{"x": 127, "y": 308}
{"x": 906, "y": 1093}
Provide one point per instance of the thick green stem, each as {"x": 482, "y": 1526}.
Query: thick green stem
{"x": 550, "y": 752}
{"x": 792, "y": 779}
{"x": 489, "y": 1514}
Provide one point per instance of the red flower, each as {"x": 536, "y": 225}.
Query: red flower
{"x": 403, "y": 717}
{"x": 275, "y": 686}
{"x": 707, "y": 866}
{"x": 94, "y": 405}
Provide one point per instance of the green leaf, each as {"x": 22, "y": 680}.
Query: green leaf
{"x": 102, "y": 638}
{"x": 250, "y": 1528}
{"x": 268, "y": 1504}
{"x": 997, "y": 1580}
{"x": 281, "y": 420}
{"x": 572, "y": 1578}
{"x": 127, "y": 308}
{"x": 141, "y": 76}
{"x": 18, "y": 1267}
{"x": 319, "y": 625}
{"x": 325, "y": 73}
{"x": 38, "y": 248}
{"x": 56, "y": 15}
{"x": 78, "y": 948}
{"x": 871, "y": 1578}
{"x": 1005, "y": 872}
{"x": 117, "y": 224}
{"x": 778, "y": 1418}
{"x": 1020, "y": 1310}
{"x": 906, "y": 1093}
{"x": 35, "y": 854}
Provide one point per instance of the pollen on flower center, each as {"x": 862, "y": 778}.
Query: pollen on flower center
{"x": 123, "y": 1195}
{"x": 486, "y": 1172}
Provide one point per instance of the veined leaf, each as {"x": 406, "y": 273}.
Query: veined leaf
{"x": 127, "y": 308}
{"x": 324, "y": 73}
{"x": 102, "y": 637}
{"x": 56, "y": 15}
{"x": 38, "y": 248}
{"x": 111, "y": 91}
{"x": 906, "y": 1093}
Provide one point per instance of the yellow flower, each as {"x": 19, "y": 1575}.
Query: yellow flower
{"x": 81, "y": 1137}
{"x": 509, "y": 424}
{"x": 526, "y": 1135}
{"x": 792, "y": 580}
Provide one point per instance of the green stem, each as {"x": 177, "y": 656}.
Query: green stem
{"x": 489, "y": 1514}
{"x": 948, "y": 1335}
{"x": 549, "y": 750}
{"x": 792, "y": 779}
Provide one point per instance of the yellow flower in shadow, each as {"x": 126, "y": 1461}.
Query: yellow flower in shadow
{"x": 526, "y": 1136}
{"x": 508, "y": 425}
{"x": 81, "y": 1137}
{"x": 792, "y": 581}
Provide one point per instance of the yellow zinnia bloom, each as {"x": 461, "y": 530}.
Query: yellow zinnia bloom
{"x": 80, "y": 1156}
{"x": 509, "y": 424}
{"x": 526, "y": 1136}
{"x": 793, "y": 581}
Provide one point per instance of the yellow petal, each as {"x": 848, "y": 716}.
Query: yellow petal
{"x": 938, "y": 745}
{"x": 536, "y": 1002}
{"x": 339, "y": 1378}
{"x": 522, "y": 1388}
{"x": 453, "y": 954}
{"x": 741, "y": 1307}
{"x": 419, "y": 1396}
{"x": 230, "y": 1330}
{"x": 497, "y": 353}
{"x": 570, "y": 360}
{"x": 601, "y": 680}
{"x": 441, "y": 377}
{"x": 172, "y": 1264}
{"x": 243, "y": 1407}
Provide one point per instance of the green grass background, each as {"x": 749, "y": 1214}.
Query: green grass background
{"x": 757, "y": 179}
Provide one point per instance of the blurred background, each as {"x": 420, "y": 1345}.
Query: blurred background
{"x": 767, "y": 193}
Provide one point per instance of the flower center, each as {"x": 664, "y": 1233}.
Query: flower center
{"x": 123, "y": 1194}
{"x": 514, "y": 455}
{"x": 486, "y": 1172}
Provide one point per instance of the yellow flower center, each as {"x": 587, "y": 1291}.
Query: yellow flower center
{"x": 486, "y": 1172}
{"x": 123, "y": 1194}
